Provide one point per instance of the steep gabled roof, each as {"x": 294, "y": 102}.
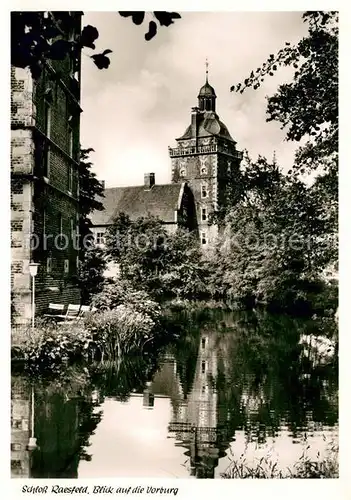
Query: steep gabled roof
{"x": 136, "y": 201}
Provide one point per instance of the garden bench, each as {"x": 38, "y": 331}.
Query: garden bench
{"x": 54, "y": 311}
{"x": 71, "y": 313}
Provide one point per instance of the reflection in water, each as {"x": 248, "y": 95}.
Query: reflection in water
{"x": 235, "y": 384}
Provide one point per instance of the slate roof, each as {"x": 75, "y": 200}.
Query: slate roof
{"x": 160, "y": 201}
{"x": 209, "y": 124}
{"x": 207, "y": 90}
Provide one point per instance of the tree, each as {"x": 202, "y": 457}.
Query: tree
{"x": 308, "y": 106}
{"x": 91, "y": 192}
{"x": 37, "y": 37}
{"x": 149, "y": 257}
{"x": 92, "y": 262}
{"x": 91, "y": 273}
{"x": 183, "y": 271}
{"x": 276, "y": 241}
{"x": 138, "y": 247}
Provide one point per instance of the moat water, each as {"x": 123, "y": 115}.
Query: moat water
{"x": 236, "y": 386}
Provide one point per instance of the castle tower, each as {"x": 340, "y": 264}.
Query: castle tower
{"x": 206, "y": 157}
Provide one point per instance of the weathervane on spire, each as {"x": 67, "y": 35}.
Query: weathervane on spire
{"x": 206, "y": 70}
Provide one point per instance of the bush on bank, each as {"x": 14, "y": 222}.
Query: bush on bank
{"x": 126, "y": 322}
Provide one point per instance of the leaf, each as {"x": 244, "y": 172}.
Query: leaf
{"x": 88, "y": 36}
{"x": 107, "y": 51}
{"x": 101, "y": 61}
{"x": 137, "y": 16}
{"x": 152, "y": 31}
{"x": 166, "y": 18}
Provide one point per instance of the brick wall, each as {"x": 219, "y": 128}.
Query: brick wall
{"x": 194, "y": 165}
{"x": 44, "y": 185}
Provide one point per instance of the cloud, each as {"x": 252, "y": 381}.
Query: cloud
{"x": 134, "y": 110}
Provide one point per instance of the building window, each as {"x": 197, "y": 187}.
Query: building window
{"x": 16, "y": 465}
{"x": 16, "y": 446}
{"x": 60, "y": 239}
{"x": 204, "y": 214}
{"x": 66, "y": 266}
{"x": 100, "y": 238}
{"x": 46, "y": 160}
{"x": 48, "y": 265}
{"x": 203, "y": 367}
{"x": 203, "y": 239}
{"x": 203, "y": 342}
{"x": 203, "y": 170}
{"x": 182, "y": 172}
{"x": 70, "y": 142}
{"x": 47, "y": 120}
{"x": 70, "y": 178}
{"x": 16, "y": 423}
{"x": 44, "y": 230}
{"x": 204, "y": 192}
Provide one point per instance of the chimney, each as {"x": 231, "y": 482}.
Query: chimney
{"x": 194, "y": 119}
{"x": 149, "y": 180}
{"x": 102, "y": 184}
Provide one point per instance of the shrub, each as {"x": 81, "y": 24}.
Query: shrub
{"x": 54, "y": 344}
{"x": 121, "y": 292}
{"x": 121, "y": 330}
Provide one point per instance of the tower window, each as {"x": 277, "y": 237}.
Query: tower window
{"x": 204, "y": 192}
{"x": 49, "y": 265}
{"x": 204, "y": 214}
{"x": 203, "y": 239}
{"x": 100, "y": 239}
{"x": 203, "y": 367}
{"x": 66, "y": 266}
{"x": 203, "y": 170}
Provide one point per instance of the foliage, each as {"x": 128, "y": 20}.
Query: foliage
{"x": 308, "y": 106}
{"x": 91, "y": 273}
{"x": 91, "y": 192}
{"x": 304, "y": 468}
{"x": 138, "y": 247}
{"x": 276, "y": 243}
{"x": 38, "y": 37}
{"x": 53, "y": 345}
{"x": 183, "y": 273}
{"x": 120, "y": 292}
{"x": 162, "y": 18}
{"x": 121, "y": 330}
{"x": 92, "y": 262}
{"x": 164, "y": 264}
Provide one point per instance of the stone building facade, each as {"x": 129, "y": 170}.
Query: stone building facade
{"x": 207, "y": 159}
{"x": 45, "y": 121}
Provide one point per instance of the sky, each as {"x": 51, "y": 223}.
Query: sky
{"x": 137, "y": 107}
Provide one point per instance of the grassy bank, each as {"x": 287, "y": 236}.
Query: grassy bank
{"x": 305, "y": 468}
